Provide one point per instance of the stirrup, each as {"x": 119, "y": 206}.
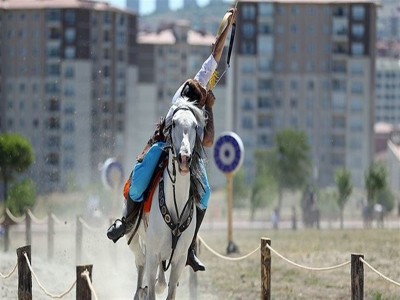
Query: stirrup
{"x": 114, "y": 233}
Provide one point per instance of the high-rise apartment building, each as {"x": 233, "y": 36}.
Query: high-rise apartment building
{"x": 387, "y": 103}
{"x": 188, "y": 4}
{"x": 67, "y": 70}
{"x": 162, "y": 6}
{"x": 308, "y": 65}
{"x": 133, "y": 5}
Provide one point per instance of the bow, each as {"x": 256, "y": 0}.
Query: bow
{"x": 215, "y": 78}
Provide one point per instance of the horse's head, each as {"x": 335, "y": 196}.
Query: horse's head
{"x": 184, "y": 132}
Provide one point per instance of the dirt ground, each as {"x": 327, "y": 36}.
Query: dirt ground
{"x": 114, "y": 274}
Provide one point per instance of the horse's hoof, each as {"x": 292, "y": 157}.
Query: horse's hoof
{"x": 160, "y": 287}
{"x": 141, "y": 294}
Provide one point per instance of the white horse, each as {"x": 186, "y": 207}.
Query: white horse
{"x": 153, "y": 245}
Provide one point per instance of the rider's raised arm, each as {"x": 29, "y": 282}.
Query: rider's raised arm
{"x": 221, "y": 37}
{"x": 208, "y": 139}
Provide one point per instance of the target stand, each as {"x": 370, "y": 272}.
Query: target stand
{"x": 112, "y": 176}
{"x": 228, "y": 157}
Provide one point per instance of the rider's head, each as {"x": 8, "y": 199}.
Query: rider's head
{"x": 193, "y": 90}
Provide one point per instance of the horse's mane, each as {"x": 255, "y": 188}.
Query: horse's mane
{"x": 198, "y": 150}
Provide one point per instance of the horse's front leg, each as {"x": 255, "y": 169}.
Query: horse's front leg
{"x": 161, "y": 282}
{"x": 176, "y": 271}
{"x": 151, "y": 272}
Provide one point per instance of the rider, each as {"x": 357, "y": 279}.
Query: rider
{"x": 195, "y": 90}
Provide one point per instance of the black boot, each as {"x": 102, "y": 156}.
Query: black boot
{"x": 125, "y": 224}
{"x": 192, "y": 259}
{"x": 117, "y": 229}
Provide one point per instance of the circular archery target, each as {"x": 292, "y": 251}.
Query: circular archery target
{"x": 228, "y": 152}
{"x": 112, "y": 173}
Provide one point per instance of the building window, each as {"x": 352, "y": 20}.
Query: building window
{"x": 53, "y": 50}
{"x": 70, "y": 35}
{"x": 52, "y": 158}
{"x": 265, "y": 28}
{"x": 358, "y": 30}
{"x": 358, "y": 12}
{"x": 248, "y": 30}
{"x": 54, "y": 33}
{"x": 248, "y": 48}
{"x": 69, "y": 126}
{"x": 53, "y": 15}
{"x": 69, "y": 52}
{"x": 295, "y": 10}
{"x": 357, "y": 88}
{"x": 265, "y": 9}
{"x": 264, "y": 122}
{"x": 249, "y": 12}
{"x": 264, "y": 102}
{"x": 293, "y": 28}
{"x": 357, "y": 48}
{"x": 247, "y": 123}
{"x": 69, "y": 17}
{"x": 53, "y": 69}
{"x": 107, "y": 17}
{"x": 69, "y": 72}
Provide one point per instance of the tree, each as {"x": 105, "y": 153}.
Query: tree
{"x": 21, "y": 197}
{"x": 290, "y": 161}
{"x": 264, "y": 188}
{"x": 375, "y": 180}
{"x": 16, "y": 155}
{"x": 344, "y": 188}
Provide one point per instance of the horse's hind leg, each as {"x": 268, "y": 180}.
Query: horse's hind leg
{"x": 161, "y": 282}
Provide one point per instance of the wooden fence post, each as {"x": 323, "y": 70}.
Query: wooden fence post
{"x": 50, "y": 236}
{"x": 83, "y": 291}
{"x": 24, "y": 274}
{"x": 78, "y": 236}
{"x": 28, "y": 228}
{"x": 265, "y": 269}
{"x": 357, "y": 277}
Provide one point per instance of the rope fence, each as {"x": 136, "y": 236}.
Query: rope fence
{"x": 357, "y": 272}
{"x": 226, "y": 257}
{"x": 357, "y": 261}
{"x": 41, "y": 285}
{"x": 10, "y": 273}
{"x": 379, "y": 273}
{"x": 306, "y": 267}
{"x": 83, "y": 282}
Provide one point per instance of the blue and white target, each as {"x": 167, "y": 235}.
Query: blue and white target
{"x": 112, "y": 173}
{"x": 228, "y": 152}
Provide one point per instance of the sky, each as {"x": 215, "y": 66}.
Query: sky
{"x": 147, "y": 6}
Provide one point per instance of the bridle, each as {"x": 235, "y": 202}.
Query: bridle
{"x": 182, "y": 223}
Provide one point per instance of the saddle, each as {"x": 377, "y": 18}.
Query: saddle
{"x": 149, "y": 192}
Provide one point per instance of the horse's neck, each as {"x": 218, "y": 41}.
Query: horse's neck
{"x": 182, "y": 188}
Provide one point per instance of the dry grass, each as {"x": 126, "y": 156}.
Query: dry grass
{"x": 241, "y": 280}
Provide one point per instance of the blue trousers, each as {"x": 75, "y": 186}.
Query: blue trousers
{"x": 143, "y": 171}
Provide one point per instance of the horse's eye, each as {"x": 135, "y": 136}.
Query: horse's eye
{"x": 173, "y": 124}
